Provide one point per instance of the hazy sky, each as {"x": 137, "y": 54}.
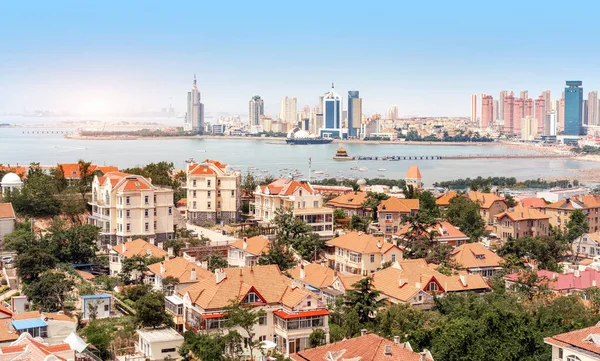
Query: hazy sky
{"x": 425, "y": 56}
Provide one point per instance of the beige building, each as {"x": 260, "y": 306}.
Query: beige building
{"x": 560, "y": 211}
{"x": 306, "y": 203}
{"x": 490, "y": 205}
{"x": 138, "y": 247}
{"x": 126, "y": 206}
{"x": 520, "y": 222}
{"x": 413, "y": 177}
{"x": 158, "y": 344}
{"x": 360, "y": 253}
{"x": 579, "y": 345}
{"x": 185, "y": 271}
{"x": 392, "y": 211}
{"x": 213, "y": 193}
{"x": 245, "y": 252}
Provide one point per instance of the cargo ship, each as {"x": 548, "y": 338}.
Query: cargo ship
{"x": 299, "y": 136}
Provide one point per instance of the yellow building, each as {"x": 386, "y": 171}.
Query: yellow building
{"x": 490, "y": 205}
{"x": 213, "y": 193}
{"x": 520, "y": 222}
{"x": 560, "y": 211}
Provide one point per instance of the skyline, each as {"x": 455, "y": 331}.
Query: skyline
{"x": 93, "y": 57}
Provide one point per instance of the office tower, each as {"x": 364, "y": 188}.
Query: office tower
{"x": 474, "y": 108}
{"x": 194, "y": 118}
{"x": 393, "y": 112}
{"x": 496, "y": 110}
{"x": 354, "y": 112}
{"x": 573, "y": 102}
{"x": 487, "y": 111}
{"x": 524, "y": 94}
{"x": 550, "y": 123}
{"x": 548, "y": 100}
{"x": 528, "y": 104}
{"x": 592, "y": 111}
{"x": 540, "y": 113}
{"x": 509, "y": 113}
{"x": 289, "y": 110}
{"x": 584, "y": 112}
{"x": 256, "y": 109}
{"x": 501, "y": 105}
{"x": 518, "y": 115}
{"x": 529, "y": 128}
{"x": 332, "y": 113}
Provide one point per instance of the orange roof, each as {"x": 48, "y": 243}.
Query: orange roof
{"x": 180, "y": 268}
{"x": 315, "y": 275}
{"x": 361, "y": 243}
{"x": 85, "y": 275}
{"x": 202, "y": 169}
{"x": 472, "y": 255}
{"x": 59, "y": 317}
{"x": 113, "y": 177}
{"x": 255, "y": 245}
{"x": 349, "y": 200}
{"x": 26, "y": 315}
{"x": 520, "y": 213}
{"x": 272, "y": 286}
{"x": 444, "y": 199}
{"x": 215, "y": 162}
{"x": 444, "y": 232}
{"x": 7, "y": 332}
{"x": 579, "y": 338}
{"x": 369, "y": 347}
{"x": 139, "y": 247}
{"x": 387, "y": 281}
{"x": 533, "y": 202}
{"x": 18, "y": 170}
{"x": 286, "y": 187}
{"x": 578, "y": 202}
{"x": 413, "y": 173}
{"x": 401, "y": 205}
{"x": 7, "y": 211}
{"x": 5, "y": 310}
{"x": 71, "y": 170}
{"x": 485, "y": 200}
{"x": 134, "y": 184}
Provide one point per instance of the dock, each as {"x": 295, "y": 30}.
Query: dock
{"x": 463, "y": 156}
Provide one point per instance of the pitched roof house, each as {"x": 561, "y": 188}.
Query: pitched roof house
{"x": 351, "y": 203}
{"x": 477, "y": 259}
{"x": 578, "y": 345}
{"x": 392, "y": 211}
{"x": 185, "y": 271}
{"x": 246, "y": 251}
{"x": 444, "y": 232}
{"x": 137, "y": 247}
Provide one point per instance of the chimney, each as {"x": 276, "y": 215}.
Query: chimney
{"x": 162, "y": 268}
{"x": 220, "y": 275}
{"x": 594, "y": 283}
{"x": 463, "y": 280}
{"x": 123, "y": 248}
{"x": 302, "y": 273}
{"x": 363, "y": 332}
{"x": 160, "y": 245}
{"x": 397, "y": 340}
{"x": 379, "y": 244}
{"x": 402, "y": 282}
{"x": 170, "y": 252}
{"x": 418, "y": 285}
{"x": 387, "y": 350}
{"x": 149, "y": 252}
{"x": 245, "y": 243}
{"x": 577, "y": 274}
{"x": 193, "y": 274}
{"x": 423, "y": 356}
{"x": 360, "y": 233}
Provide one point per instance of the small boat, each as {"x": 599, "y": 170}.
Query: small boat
{"x": 382, "y": 169}
{"x": 354, "y": 168}
{"x": 190, "y": 160}
{"x": 318, "y": 172}
{"x": 363, "y": 169}
{"x": 252, "y": 168}
{"x": 264, "y": 170}
{"x": 201, "y": 150}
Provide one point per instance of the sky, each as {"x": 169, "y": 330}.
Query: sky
{"x": 427, "y": 57}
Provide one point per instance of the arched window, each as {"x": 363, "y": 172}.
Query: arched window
{"x": 432, "y": 287}
{"x": 573, "y": 358}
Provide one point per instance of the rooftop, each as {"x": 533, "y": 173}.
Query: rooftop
{"x": 361, "y": 243}
{"x": 413, "y": 172}
{"x": 520, "y": 213}
{"x": 160, "y": 334}
{"x": 349, "y": 200}
{"x": 582, "y": 339}
{"x": 7, "y": 211}
{"x": 394, "y": 204}
{"x": 139, "y": 247}
{"x": 485, "y": 200}
{"x": 255, "y": 245}
{"x": 473, "y": 255}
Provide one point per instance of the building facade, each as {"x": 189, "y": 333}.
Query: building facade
{"x": 392, "y": 212}
{"x": 573, "y": 108}
{"x": 195, "y": 110}
{"x": 289, "y": 110}
{"x": 332, "y": 115}
{"x": 213, "y": 193}
{"x": 354, "y": 112}
{"x": 580, "y": 345}
{"x": 509, "y": 113}
{"x": 256, "y": 109}
{"x": 487, "y": 111}
{"x": 520, "y": 222}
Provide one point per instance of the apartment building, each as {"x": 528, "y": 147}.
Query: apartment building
{"x": 351, "y": 203}
{"x": 126, "y": 206}
{"x": 521, "y": 221}
{"x": 392, "y": 212}
{"x": 560, "y": 211}
{"x": 138, "y": 247}
{"x": 301, "y": 197}
{"x": 213, "y": 193}
{"x": 443, "y": 232}
{"x": 291, "y": 312}
{"x": 360, "y": 253}
{"x": 490, "y": 204}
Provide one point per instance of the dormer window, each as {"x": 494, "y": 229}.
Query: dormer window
{"x": 480, "y": 256}
{"x": 432, "y": 287}
{"x": 251, "y": 297}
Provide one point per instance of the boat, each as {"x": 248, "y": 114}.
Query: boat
{"x": 382, "y": 169}
{"x": 190, "y": 160}
{"x": 303, "y": 141}
{"x": 341, "y": 154}
{"x": 318, "y": 172}
{"x": 354, "y": 168}
{"x": 363, "y": 169}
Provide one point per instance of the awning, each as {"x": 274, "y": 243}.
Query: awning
{"x": 75, "y": 342}
{"x": 20, "y": 325}
{"x": 314, "y": 289}
{"x": 289, "y": 316}
{"x": 212, "y": 315}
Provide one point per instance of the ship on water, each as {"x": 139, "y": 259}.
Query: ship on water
{"x": 299, "y": 136}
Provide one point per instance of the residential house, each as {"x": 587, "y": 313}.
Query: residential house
{"x": 99, "y": 304}
{"x": 159, "y": 343}
{"x": 587, "y": 246}
{"x": 360, "y": 253}
{"x": 138, "y": 247}
{"x": 579, "y": 345}
{"x": 476, "y": 259}
{"x": 555, "y": 195}
{"x": 72, "y": 171}
{"x": 521, "y": 221}
{"x": 576, "y": 282}
{"x": 291, "y": 312}
{"x": 300, "y": 196}
{"x": 443, "y": 232}
{"x": 7, "y": 332}
{"x": 19, "y": 304}
{"x": 26, "y": 347}
{"x": 351, "y": 203}
{"x": 413, "y": 177}
{"x": 245, "y": 252}
{"x": 392, "y": 211}
{"x": 532, "y": 202}
{"x": 443, "y": 201}
{"x": 490, "y": 204}
{"x": 126, "y": 206}
{"x": 560, "y": 211}
{"x": 7, "y": 220}
{"x": 54, "y": 327}
{"x": 324, "y": 281}
{"x": 367, "y": 347}
{"x": 214, "y": 192}
{"x": 185, "y": 271}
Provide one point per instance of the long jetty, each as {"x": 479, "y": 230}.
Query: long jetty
{"x": 459, "y": 157}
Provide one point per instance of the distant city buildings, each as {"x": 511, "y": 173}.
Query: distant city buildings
{"x": 550, "y": 124}
{"x": 194, "y": 119}
{"x": 354, "y": 112}
{"x": 529, "y": 128}
{"x": 501, "y": 105}
{"x": 393, "y": 112}
{"x": 509, "y": 111}
{"x": 540, "y": 113}
{"x": 289, "y": 110}
{"x": 487, "y": 111}
{"x": 592, "y": 108}
{"x": 573, "y": 108}
{"x": 474, "y": 108}
{"x": 332, "y": 113}
{"x": 256, "y": 109}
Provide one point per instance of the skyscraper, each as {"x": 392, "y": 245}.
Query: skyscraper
{"x": 393, "y": 112}
{"x": 550, "y": 123}
{"x": 529, "y": 128}
{"x": 573, "y": 103}
{"x": 540, "y": 113}
{"x": 496, "y": 110}
{"x": 194, "y": 117}
{"x": 354, "y": 112}
{"x": 256, "y": 109}
{"x": 548, "y": 100}
{"x": 584, "y": 112}
{"x": 592, "y": 104}
{"x": 528, "y": 107}
{"x": 518, "y": 115}
{"x": 289, "y": 110}
{"x": 524, "y": 94}
{"x": 561, "y": 113}
{"x": 487, "y": 111}
{"x": 501, "y": 105}
{"x": 332, "y": 114}
{"x": 509, "y": 113}
{"x": 474, "y": 108}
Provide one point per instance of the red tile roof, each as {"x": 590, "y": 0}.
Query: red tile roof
{"x": 413, "y": 173}
{"x": 289, "y": 316}
{"x": 520, "y": 213}
{"x": 394, "y": 204}
{"x": 579, "y": 338}
{"x": 533, "y": 202}
{"x": 6, "y": 211}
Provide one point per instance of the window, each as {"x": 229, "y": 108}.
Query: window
{"x": 154, "y": 224}
{"x": 308, "y": 303}
{"x": 194, "y": 205}
{"x": 194, "y": 183}
{"x": 154, "y": 212}
{"x": 146, "y": 213}
{"x": 170, "y": 211}
{"x": 232, "y": 194}
{"x": 219, "y": 193}
{"x": 127, "y": 200}
{"x": 372, "y": 258}
{"x": 300, "y": 193}
{"x": 219, "y": 204}
{"x": 208, "y": 193}
{"x": 146, "y": 199}
{"x": 299, "y": 204}
{"x": 316, "y": 204}
{"x": 128, "y": 213}
{"x": 147, "y": 226}
{"x": 432, "y": 287}
{"x": 208, "y": 182}
{"x": 167, "y": 350}
{"x": 252, "y": 298}
{"x": 573, "y": 358}
{"x": 218, "y": 182}
{"x": 262, "y": 320}
{"x": 388, "y": 216}
{"x": 262, "y": 338}
{"x": 128, "y": 228}
{"x": 106, "y": 308}
{"x": 154, "y": 198}
{"x": 193, "y": 194}
{"x": 393, "y": 258}
{"x": 208, "y": 205}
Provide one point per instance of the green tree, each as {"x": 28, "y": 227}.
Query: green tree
{"x": 317, "y": 338}
{"x": 428, "y": 208}
{"x": 577, "y": 226}
{"x": 86, "y": 176}
{"x": 168, "y": 284}
{"x": 510, "y": 201}
{"x": 364, "y": 299}
{"x": 58, "y": 175}
{"x": 33, "y": 262}
{"x": 133, "y": 266}
{"x": 338, "y": 214}
{"x": 216, "y": 260}
{"x": 278, "y": 254}
{"x": 372, "y": 202}
{"x": 359, "y": 223}
{"x": 49, "y": 291}
{"x": 38, "y": 197}
{"x": 100, "y": 334}
{"x": 464, "y": 214}
{"x": 295, "y": 233}
{"x": 245, "y": 318}
{"x": 150, "y": 310}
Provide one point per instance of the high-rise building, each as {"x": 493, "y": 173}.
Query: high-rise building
{"x": 548, "y": 100}
{"x": 194, "y": 118}
{"x": 540, "y": 113}
{"x": 528, "y": 128}
{"x": 592, "y": 104}
{"x": 550, "y": 123}
{"x": 524, "y": 94}
{"x": 518, "y": 115}
{"x": 584, "y": 112}
{"x": 528, "y": 107}
{"x": 354, "y": 112}
{"x": 289, "y": 110}
{"x": 573, "y": 103}
{"x": 256, "y": 109}
{"x": 487, "y": 111}
{"x": 393, "y": 112}
{"x": 509, "y": 113}
{"x": 332, "y": 114}
{"x": 560, "y": 116}
{"x": 501, "y": 105}
{"x": 474, "y": 108}
{"x": 496, "y": 110}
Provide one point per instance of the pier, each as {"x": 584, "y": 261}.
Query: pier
{"x": 462, "y": 156}
{"x": 46, "y": 132}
